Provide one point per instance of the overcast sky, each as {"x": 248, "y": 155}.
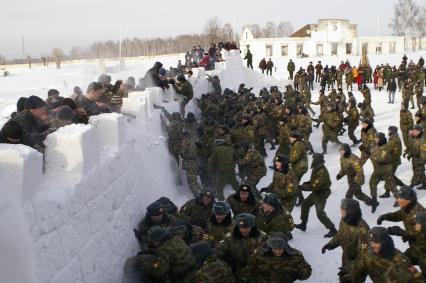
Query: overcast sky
{"x": 45, "y": 24}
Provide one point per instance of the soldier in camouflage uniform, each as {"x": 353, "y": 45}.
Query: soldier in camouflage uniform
{"x": 155, "y": 215}
{"x": 419, "y": 93}
{"x": 219, "y": 223}
{"x": 190, "y": 234}
{"x": 284, "y": 184}
{"x": 189, "y": 164}
{"x": 351, "y": 166}
{"x": 168, "y": 259}
{"x": 239, "y": 136}
{"x": 191, "y": 126}
{"x": 367, "y": 138}
{"x": 419, "y": 119}
{"x": 352, "y": 236}
{"x": 298, "y": 159}
{"x": 205, "y": 148}
{"x": 319, "y": 185}
{"x": 407, "y": 200}
{"x": 284, "y": 136}
{"x": 304, "y": 125}
{"x": 330, "y": 129}
{"x": 306, "y": 99}
{"x": 241, "y": 243}
{"x": 395, "y": 151}
{"x": 199, "y": 209}
{"x": 406, "y": 121}
{"x": 421, "y": 240}
{"x": 380, "y": 255}
{"x": 209, "y": 268}
{"x": 184, "y": 88}
{"x": 244, "y": 201}
{"x": 414, "y": 152}
{"x": 260, "y": 129}
{"x": 349, "y": 77}
{"x": 253, "y": 166}
{"x": 382, "y": 166}
{"x": 276, "y": 262}
{"x": 366, "y": 112}
{"x": 352, "y": 119}
{"x": 221, "y": 167}
{"x": 407, "y": 94}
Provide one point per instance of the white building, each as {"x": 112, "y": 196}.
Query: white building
{"x": 329, "y": 37}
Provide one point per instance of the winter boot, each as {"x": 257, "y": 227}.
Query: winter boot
{"x": 301, "y": 226}
{"x": 374, "y": 205}
{"x": 385, "y": 195}
{"x": 331, "y": 233}
{"x": 324, "y": 148}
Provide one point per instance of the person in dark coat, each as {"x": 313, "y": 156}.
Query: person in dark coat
{"x": 11, "y": 133}
{"x": 152, "y": 78}
{"x": 32, "y": 121}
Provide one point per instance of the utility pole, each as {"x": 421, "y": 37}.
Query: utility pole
{"x": 120, "y": 48}
{"x": 23, "y": 48}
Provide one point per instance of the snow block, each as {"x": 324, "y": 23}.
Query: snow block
{"x": 110, "y": 129}
{"x": 73, "y": 148}
{"x": 136, "y": 104}
{"x": 21, "y": 169}
{"x": 154, "y": 96}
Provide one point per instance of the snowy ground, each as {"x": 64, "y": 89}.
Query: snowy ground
{"x": 25, "y": 82}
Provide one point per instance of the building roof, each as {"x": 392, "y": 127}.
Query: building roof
{"x": 303, "y": 32}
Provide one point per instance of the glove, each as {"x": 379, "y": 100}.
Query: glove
{"x": 362, "y": 147}
{"x": 293, "y": 274}
{"x": 408, "y": 238}
{"x": 325, "y": 248}
{"x": 381, "y": 219}
{"x": 172, "y": 81}
{"x": 396, "y": 231}
{"x": 343, "y": 275}
{"x": 339, "y": 176}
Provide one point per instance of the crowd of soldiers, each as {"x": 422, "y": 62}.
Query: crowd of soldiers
{"x": 245, "y": 237}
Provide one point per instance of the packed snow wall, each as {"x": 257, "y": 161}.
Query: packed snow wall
{"x": 75, "y": 210}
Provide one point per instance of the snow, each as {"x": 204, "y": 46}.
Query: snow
{"x": 73, "y": 148}
{"x": 99, "y": 178}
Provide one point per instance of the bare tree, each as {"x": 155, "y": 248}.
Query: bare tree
{"x": 58, "y": 55}
{"x": 270, "y": 30}
{"x": 405, "y": 18}
{"x": 227, "y": 32}
{"x": 213, "y": 29}
{"x": 2, "y": 60}
{"x": 422, "y": 21}
{"x": 284, "y": 29}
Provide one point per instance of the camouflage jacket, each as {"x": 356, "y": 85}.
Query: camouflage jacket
{"x": 395, "y": 147}
{"x": 215, "y": 232}
{"x": 352, "y": 238}
{"x": 184, "y": 89}
{"x": 352, "y": 168}
{"x": 284, "y": 186}
{"x": 146, "y": 223}
{"x": 213, "y": 270}
{"x": 173, "y": 260}
{"x": 406, "y": 120}
{"x": 416, "y": 147}
{"x": 380, "y": 157}
{"x": 238, "y": 249}
{"x": 264, "y": 267}
{"x": 241, "y": 134}
{"x": 253, "y": 162}
{"x": 304, "y": 123}
{"x": 332, "y": 121}
{"x": 353, "y": 116}
{"x": 189, "y": 153}
{"x": 298, "y": 158}
{"x": 375, "y": 266}
{"x": 221, "y": 160}
{"x": 408, "y": 216}
{"x": 276, "y": 221}
{"x": 319, "y": 182}
{"x": 251, "y": 206}
{"x": 367, "y": 137}
{"x": 196, "y": 213}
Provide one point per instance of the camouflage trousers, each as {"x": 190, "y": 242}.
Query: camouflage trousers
{"x": 376, "y": 178}
{"x": 284, "y": 148}
{"x": 134, "y": 273}
{"x": 223, "y": 179}
{"x": 418, "y": 172}
{"x": 355, "y": 190}
{"x": 417, "y": 258}
{"x": 191, "y": 177}
{"x": 253, "y": 177}
{"x": 318, "y": 200}
{"x": 259, "y": 143}
{"x": 351, "y": 132}
{"x": 405, "y": 136}
{"x": 289, "y": 203}
{"x": 329, "y": 136}
{"x": 364, "y": 157}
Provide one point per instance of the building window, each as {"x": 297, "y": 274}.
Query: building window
{"x": 334, "y": 49}
{"x": 284, "y": 50}
{"x": 299, "y": 49}
{"x": 348, "y": 48}
{"x": 320, "y": 49}
{"x": 269, "y": 51}
{"x": 392, "y": 47}
{"x": 379, "y": 48}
